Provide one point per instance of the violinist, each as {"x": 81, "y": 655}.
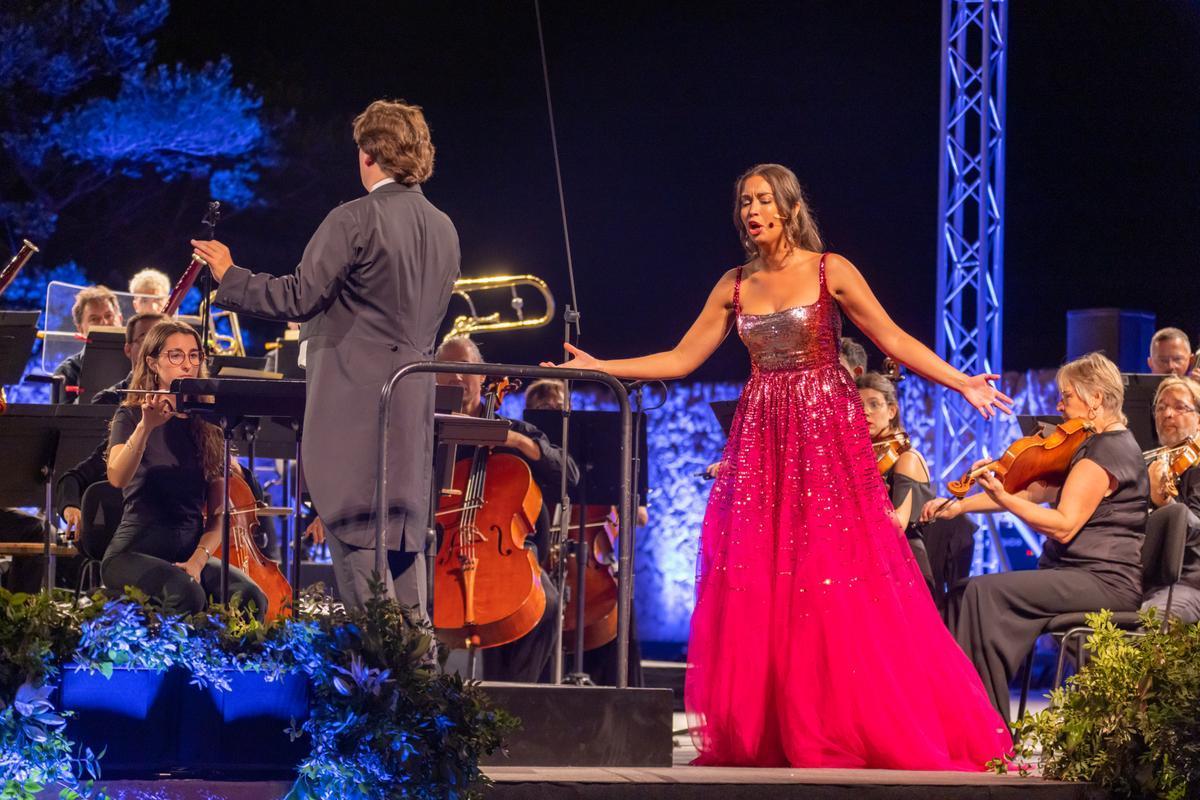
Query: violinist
{"x": 169, "y": 468}
{"x": 526, "y": 659}
{"x": 1170, "y": 353}
{"x": 907, "y": 477}
{"x": 1093, "y": 525}
{"x": 1177, "y": 420}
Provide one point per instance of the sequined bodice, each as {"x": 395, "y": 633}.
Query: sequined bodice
{"x": 802, "y": 337}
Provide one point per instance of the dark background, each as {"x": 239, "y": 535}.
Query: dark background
{"x": 660, "y": 107}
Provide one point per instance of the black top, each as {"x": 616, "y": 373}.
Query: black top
{"x": 547, "y": 474}
{"x": 1109, "y": 544}
{"x": 900, "y": 487}
{"x": 169, "y": 488}
{"x": 71, "y": 368}
{"x": 75, "y": 481}
{"x": 112, "y": 396}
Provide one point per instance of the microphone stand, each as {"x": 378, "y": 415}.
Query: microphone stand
{"x": 562, "y": 538}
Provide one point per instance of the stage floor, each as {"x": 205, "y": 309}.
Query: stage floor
{"x": 679, "y": 782}
{"x": 675, "y": 783}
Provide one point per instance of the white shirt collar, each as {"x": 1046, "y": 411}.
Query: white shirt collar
{"x": 383, "y": 182}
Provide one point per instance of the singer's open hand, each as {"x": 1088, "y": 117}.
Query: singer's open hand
{"x": 216, "y": 254}
{"x": 581, "y": 360}
{"x": 980, "y": 393}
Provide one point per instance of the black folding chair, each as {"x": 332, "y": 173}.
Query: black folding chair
{"x": 99, "y": 516}
{"x": 1162, "y": 564}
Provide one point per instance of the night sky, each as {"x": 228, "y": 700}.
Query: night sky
{"x": 659, "y": 109}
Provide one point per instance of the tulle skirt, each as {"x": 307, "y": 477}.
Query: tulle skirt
{"x": 814, "y": 640}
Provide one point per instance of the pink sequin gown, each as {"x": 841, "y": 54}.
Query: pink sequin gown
{"x": 814, "y": 640}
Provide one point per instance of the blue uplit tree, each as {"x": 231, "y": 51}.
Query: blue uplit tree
{"x": 85, "y": 113}
{"x": 81, "y": 106}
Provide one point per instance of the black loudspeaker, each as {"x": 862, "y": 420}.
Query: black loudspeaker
{"x": 1121, "y": 334}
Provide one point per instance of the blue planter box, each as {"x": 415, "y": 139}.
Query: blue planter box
{"x": 154, "y": 723}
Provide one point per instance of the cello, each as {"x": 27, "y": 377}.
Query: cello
{"x": 600, "y": 581}
{"x": 245, "y": 555}
{"x": 487, "y": 587}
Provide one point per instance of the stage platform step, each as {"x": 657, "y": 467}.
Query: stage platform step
{"x": 726, "y": 783}
{"x": 585, "y": 726}
{"x": 678, "y": 783}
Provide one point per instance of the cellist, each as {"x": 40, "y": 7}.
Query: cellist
{"x": 169, "y": 468}
{"x": 527, "y": 658}
{"x": 1093, "y": 526}
{"x": 599, "y": 663}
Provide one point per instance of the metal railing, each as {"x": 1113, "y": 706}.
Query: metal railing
{"x": 625, "y": 530}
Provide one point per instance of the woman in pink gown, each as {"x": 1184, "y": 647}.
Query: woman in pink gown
{"x": 814, "y": 641}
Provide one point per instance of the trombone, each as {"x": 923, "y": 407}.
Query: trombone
{"x": 220, "y": 344}
{"x": 473, "y": 322}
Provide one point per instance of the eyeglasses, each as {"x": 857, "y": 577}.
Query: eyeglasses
{"x": 1162, "y": 408}
{"x": 176, "y": 357}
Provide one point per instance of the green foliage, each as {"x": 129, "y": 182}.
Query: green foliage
{"x": 383, "y": 721}
{"x": 1130, "y": 720}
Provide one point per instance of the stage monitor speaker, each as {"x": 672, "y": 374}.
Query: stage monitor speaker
{"x": 1121, "y": 334}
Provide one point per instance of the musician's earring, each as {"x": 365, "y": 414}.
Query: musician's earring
{"x": 1091, "y": 413}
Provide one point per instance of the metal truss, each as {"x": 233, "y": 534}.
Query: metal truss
{"x": 970, "y": 287}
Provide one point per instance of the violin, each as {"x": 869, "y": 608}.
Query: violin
{"x": 245, "y": 555}
{"x": 487, "y": 587}
{"x": 889, "y": 449}
{"x": 1033, "y": 458}
{"x": 1178, "y": 460}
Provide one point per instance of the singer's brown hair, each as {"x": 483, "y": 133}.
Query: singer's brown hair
{"x": 799, "y": 225}
{"x": 396, "y": 135}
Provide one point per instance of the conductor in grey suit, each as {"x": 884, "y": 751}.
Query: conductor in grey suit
{"x": 372, "y": 287}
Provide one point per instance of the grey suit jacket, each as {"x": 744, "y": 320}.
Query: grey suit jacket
{"x": 372, "y": 289}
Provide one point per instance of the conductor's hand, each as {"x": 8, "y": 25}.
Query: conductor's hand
{"x": 156, "y": 410}
{"x": 216, "y": 254}
{"x": 979, "y": 392}
{"x": 581, "y": 360}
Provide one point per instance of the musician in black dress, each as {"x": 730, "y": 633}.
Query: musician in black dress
{"x": 169, "y": 467}
{"x": 1094, "y": 527}
{"x": 525, "y": 659}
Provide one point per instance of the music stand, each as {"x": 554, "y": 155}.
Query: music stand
{"x": 591, "y": 445}
{"x": 104, "y": 361}
{"x": 724, "y": 410}
{"x": 18, "y": 332}
{"x": 1139, "y": 406}
{"x": 38, "y": 438}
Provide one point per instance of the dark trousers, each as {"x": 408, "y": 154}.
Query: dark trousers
{"x": 353, "y": 568}
{"x": 1003, "y": 614}
{"x": 526, "y": 659}
{"x": 145, "y": 557}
